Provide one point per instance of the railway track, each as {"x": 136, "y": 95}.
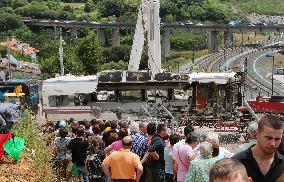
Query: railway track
{"x": 212, "y": 63}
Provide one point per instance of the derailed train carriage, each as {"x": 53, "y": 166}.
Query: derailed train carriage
{"x": 216, "y": 94}
{"x": 217, "y": 99}
{"x": 204, "y": 95}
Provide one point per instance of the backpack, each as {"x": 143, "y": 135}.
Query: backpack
{"x": 94, "y": 164}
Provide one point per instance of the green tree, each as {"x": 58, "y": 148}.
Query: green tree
{"x": 118, "y": 8}
{"x": 50, "y": 65}
{"x": 7, "y": 10}
{"x": 35, "y": 10}
{"x": 9, "y": 21}
{"x": 3, "y": 51}
{"x": 90, "y": 53}
{"x": 89, "y": 6}
{"x": 72, "y": 64}
{"x": 54, "y": 4}
{"x": 68, "y": 8}
{"x": 48, "y": 49}
{"x": 13, "y": 3}
{"x": 197, "y": 12}
{"x": 22, "y": 33}
{"x": 121, "y": 65}
{"x": 168, "y": 11}
{"x": 116, "y": 54}
{"x": 64, "y": 15}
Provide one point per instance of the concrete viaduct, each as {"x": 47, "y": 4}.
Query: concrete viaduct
{"x": 166, "y": 30}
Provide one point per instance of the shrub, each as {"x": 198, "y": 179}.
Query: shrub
{"x": 27, "y": 129}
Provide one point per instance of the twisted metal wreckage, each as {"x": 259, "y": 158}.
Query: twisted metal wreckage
{"x": 207, "y": 96}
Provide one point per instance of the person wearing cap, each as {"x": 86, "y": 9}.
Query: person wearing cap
{"x": 62, "y": 124}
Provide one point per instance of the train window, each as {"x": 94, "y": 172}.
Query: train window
{"x": 60, "y": 100}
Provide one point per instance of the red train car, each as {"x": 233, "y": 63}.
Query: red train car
{"x": 273, "y": 104}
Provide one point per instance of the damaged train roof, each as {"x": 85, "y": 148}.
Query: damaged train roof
{"x": 218, "y": 78}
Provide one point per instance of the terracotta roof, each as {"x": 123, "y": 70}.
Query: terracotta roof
{"x": 13, "y": 46}
{"x": 12, "y": 43}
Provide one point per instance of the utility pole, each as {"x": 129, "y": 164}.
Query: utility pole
{"x": 9, "y": 57}
{"x": 242, "y": 42}
{"x": 193, "y": 55}
{"x": 177, "y": 66}
{"x": 225, "y": 59}
{"x": 244, "y": 83}
{"x": 61, "y": 53}
{"x": 272, "y": 82}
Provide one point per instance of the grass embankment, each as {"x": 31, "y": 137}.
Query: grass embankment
{"x": 31, "y": 167}
{"x": 250, "y": 38}
{"x": 278, "y": 62}
{"x": 271, "y": 7}
{"x": 79, "y": 9}
{"x": 182, "y": 57}
{"x": 74, "y": 5}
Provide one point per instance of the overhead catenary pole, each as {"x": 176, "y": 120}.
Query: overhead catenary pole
{"x": 225, "y": 59}
{"x": 272, "y": 73}
{"x": 272, "y": 81}
{"x": 61, "y": 53}
{"x": 9, "y": 57}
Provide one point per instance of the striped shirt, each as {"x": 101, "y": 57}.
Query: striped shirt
{"x": 139, "y": 144}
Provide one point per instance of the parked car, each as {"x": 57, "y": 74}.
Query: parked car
{"x": 235, "y": 22}
{"x": 189, "y": 23}
{"x": 262, "y": 24}
{"x": 280, "y": 71}
{"x": 251, "y": 24}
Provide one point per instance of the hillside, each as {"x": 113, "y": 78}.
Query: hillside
{"x": 271, "y": 7}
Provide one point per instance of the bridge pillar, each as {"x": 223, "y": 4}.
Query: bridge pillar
{"x": 101, "y": 36}
{"x": 56, "y": 30}
{"x": 228, "y": 39}
{"x": 115, "y": 38}
{"x": 166, "y": 43}
{"x": 74, "y": 32}
{"x": 212, "y": 42}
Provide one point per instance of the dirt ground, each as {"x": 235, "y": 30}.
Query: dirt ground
{"x": 23, "y": 171}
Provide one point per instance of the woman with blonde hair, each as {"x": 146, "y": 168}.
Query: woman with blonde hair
{"x": 218, "y": 151}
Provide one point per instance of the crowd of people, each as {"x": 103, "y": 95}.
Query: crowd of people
{"x": 150, "y": 152}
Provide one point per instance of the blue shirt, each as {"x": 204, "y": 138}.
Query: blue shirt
{"x": 157, "y": 145}
{"x": 168, "y": 161}
{"x": 139, "y": 144}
